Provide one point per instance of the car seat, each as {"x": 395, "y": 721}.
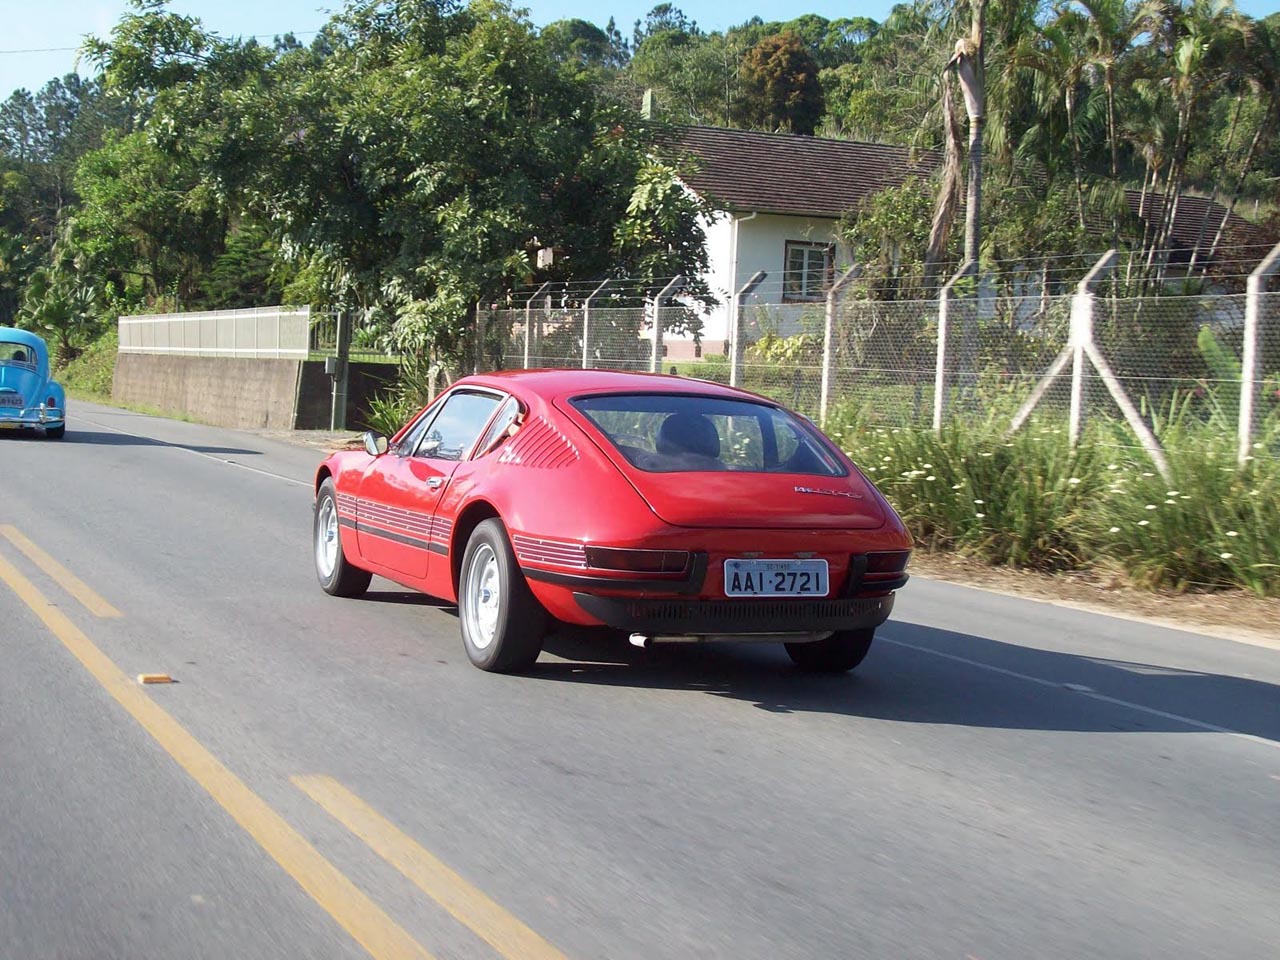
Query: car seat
{"x": 692, "y": 433}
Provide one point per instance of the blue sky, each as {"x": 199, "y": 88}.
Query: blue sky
{"x": 41, "y": 24}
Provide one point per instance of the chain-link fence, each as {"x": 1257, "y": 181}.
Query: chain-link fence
{"x": 1012, "y": 346}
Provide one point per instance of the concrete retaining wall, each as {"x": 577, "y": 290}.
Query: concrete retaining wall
{"x": 244, "y": 393}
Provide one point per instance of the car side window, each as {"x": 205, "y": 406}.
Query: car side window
{"x": 454, "y": 431}
{"x": 409, "y": 442}
{"x": 503, "y": 419}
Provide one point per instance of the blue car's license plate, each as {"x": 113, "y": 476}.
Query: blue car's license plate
{"x": 11, "y": 400}
{"x": 775, "y": 578}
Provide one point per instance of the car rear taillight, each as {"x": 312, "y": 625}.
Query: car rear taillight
{"x": 637, "y": 561}
{"x": 52, "y": 403}
{"x": 887, "y": 564}
{"x": 886, "y": 567}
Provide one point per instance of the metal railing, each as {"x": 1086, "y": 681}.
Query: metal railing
{"x": 256, "y": 333}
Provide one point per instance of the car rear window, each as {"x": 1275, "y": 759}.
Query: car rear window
{"x": 18, "y": 353}
{"x": 675, "y": 433}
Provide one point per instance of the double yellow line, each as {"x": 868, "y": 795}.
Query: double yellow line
{"x": 363, "y": 919}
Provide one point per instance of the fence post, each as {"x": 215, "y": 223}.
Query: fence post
{"x": 338, "y": 413}
{"x": 528, "y": 318}
{"x": 586, "y": 323}
{"x": 940, "y": 378}
{"x": 655, "y": 361}
{"x": 1249, "y": 363}
{"x": 828, "y": 336}
{"x": 478, "y": 361}
{"x": 1082, "y": 337}
{"x": 735, "y": 326}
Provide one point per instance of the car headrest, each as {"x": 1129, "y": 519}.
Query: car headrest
{"x": 688, "y": 433}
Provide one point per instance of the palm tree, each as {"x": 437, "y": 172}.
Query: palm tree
{"x": 1262, "y": 75}
{"x": 1198, "y": 41}
{"x": 1110, "y": 28}
{"x": 1057, "y": 61}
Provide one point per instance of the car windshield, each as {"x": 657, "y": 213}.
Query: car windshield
{"x": 673, "y": 433}
{"x": 17, "y": 354}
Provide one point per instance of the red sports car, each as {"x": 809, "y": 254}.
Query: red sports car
{"x": 669, "y": 508}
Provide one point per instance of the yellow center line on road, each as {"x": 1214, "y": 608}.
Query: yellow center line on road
{"x": 63, "y": 577}
{"x": 363, "y": 919}
{"x": 467, "y": 904}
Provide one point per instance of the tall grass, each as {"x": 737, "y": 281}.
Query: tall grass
{"x": 1029, "y": 500}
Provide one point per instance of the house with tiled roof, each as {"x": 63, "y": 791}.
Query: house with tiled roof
{"x": 781, "y": 196}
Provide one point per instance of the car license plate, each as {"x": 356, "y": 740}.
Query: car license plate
{"x": 775, "y": 578}
{"x": 10, "y": 400}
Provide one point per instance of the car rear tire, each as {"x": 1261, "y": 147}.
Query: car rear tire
{"x": 838, "y": 653}
{"x": 503, "y": 624}
{"x": 56, "y": 433}
{"x": 338, "y": 577}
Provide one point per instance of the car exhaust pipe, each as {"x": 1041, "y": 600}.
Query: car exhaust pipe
{"x": 640, "y": 640}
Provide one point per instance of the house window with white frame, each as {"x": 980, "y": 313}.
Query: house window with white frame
{"x": 809, "y": 271}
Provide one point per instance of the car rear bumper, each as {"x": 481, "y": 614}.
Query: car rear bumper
{"x": 682, "y": 617}
{"x": 13, "y": 419}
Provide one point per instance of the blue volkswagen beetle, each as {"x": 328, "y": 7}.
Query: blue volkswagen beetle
{"x": 29, "y": 399}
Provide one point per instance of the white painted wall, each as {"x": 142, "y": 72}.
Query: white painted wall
{"x": 739, "y": 247}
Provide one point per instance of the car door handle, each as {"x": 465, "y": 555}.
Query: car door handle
{"x": 434, "y": 482}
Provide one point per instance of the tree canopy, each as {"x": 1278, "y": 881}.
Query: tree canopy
{"x": 413, "y": 157}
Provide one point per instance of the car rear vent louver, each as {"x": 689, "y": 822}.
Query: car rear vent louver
{"x": 540, "y": 445}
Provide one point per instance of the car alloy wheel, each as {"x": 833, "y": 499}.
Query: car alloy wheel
{"x": 338, "y": 577}
{"x": 503, "y": 624}
{"x": 327, "y": 539}
{"x": 484, "y": 596}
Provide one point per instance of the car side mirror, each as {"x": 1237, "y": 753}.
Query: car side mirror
{"x": 375, "y": 444}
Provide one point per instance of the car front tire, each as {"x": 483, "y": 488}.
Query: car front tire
{"x": 838, "y": 653}
{"x": 338, "y": 577}
{"x": 503, "y": 624}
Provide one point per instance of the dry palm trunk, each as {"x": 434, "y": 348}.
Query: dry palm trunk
{"x": 944, "y": 210}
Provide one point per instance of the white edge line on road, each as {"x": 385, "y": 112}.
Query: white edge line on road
{"x": 198, "y": 453}
{"x": 1214, "y": 631}
{"x": 1091, "y": 694}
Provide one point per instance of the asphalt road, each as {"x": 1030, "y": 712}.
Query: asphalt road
{"x": 331, "y": 778}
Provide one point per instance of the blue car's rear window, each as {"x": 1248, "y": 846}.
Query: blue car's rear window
{"x": 674, "y": 433}
{"x": 19, "y": 353}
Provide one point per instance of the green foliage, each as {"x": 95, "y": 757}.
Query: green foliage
{"x": 782, "y": 89}
{"x": 661, "y": 234}
{"x": 1028, "y": 500}
{"x": 65, "y": 309}
{"x": 89, "y": 376}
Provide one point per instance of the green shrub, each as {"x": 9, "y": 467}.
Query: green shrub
{"x": 90, "y": 374}
{"x": 1030, "y": 501}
